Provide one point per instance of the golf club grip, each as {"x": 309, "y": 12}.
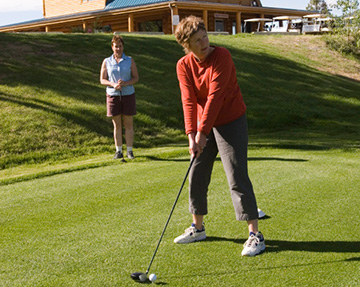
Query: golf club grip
{"x": 171, "y": 212}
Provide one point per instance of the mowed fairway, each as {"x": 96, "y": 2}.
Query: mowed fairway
{"x": 95, "y": 227}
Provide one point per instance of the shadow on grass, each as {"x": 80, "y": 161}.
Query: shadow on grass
{"x": 276, "y": 159}
{"x": 307, "y": 147}
{"x": 282, "y": 95}
{"x": 83, "y": 117}
{"x": 149, "y": 282}
{"x": 353, "y": 259}
{"x": 233, "y": 272}
{"x": 154, "y": 158}
{"x": 44, "y": 174}
{"x": 310, "y": 246}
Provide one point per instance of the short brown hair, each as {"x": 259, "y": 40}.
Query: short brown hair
{"x": 117, "y": 38}
{"x": 186, "y": 28}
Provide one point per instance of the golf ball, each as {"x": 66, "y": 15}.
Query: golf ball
{"x": 142, "y": 277}
{"x": 152, "y": 277}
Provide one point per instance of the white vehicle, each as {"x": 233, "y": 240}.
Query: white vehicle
{"x": 287, "y": 24}
{"x": 261, "y": 24}
{"x": 279, "y": 25}
{"x": 316, "y": 23}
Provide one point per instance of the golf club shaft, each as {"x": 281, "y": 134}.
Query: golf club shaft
{"x": 172, "y": 210}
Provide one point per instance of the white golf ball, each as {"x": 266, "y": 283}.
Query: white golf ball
{"x": 152, "y": 277}
{"x": 142, "y": 277}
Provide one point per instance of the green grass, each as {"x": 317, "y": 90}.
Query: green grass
{"x": 53, "y": 107}
{"x": 94, "y": 227}
{"x": 72, "y": 216}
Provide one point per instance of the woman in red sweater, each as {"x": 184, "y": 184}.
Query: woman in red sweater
{"x": 215, "y": 122}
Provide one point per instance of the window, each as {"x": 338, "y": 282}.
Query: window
{"x": 151, "y": 26}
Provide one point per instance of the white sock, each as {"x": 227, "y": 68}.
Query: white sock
{"x": 129, "y": 148}
{"x": 118, "y": 148}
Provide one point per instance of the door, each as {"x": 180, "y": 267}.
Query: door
{"x": 219, "y": 25}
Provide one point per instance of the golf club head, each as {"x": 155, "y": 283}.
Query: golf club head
{"x": 138, "y": 276}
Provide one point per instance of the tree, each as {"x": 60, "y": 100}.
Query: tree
{"x": 349, "y": 8}
{"x": 346, "y": 38}
{"x": 318, "y": 5}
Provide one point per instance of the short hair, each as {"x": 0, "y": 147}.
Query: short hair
{"x": 117, "y": 38}
{"x": 186, "y": 28}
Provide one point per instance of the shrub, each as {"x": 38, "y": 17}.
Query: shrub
{"x": 346, "y": 36}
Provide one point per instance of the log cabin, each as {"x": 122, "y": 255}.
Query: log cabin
{"x": 148, "y": 16}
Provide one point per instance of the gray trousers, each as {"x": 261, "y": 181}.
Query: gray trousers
{"x": 231, "y": 141}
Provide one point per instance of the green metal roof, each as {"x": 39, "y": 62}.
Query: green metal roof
{"x": 118, "y": 4}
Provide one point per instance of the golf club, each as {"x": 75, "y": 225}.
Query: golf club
{"x": 142, "y": 277}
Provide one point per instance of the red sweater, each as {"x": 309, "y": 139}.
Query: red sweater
{"x": 210, "y": 93}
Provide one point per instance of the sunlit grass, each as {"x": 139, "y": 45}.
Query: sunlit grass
{"x": 96, "y": 226}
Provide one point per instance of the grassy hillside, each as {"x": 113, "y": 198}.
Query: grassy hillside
{"x": 299, "y": 94}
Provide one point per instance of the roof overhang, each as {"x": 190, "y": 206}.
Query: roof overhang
{"x": 181, "y": 4}
{"x": 287, "y": 18}
{"x": 314, "y": 15}
{"x": 82, "y": 17}
{"x": 258, "y": 20}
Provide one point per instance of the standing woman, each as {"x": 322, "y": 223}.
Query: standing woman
{"x": 119, "y": 74}
{"x": 215, "y": 121}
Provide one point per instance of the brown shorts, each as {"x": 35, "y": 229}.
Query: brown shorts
{"x": 121, "y": 105}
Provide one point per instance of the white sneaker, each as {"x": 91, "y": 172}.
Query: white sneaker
{"x": 254, "y": 245}
{"x": 191, "y": 234}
